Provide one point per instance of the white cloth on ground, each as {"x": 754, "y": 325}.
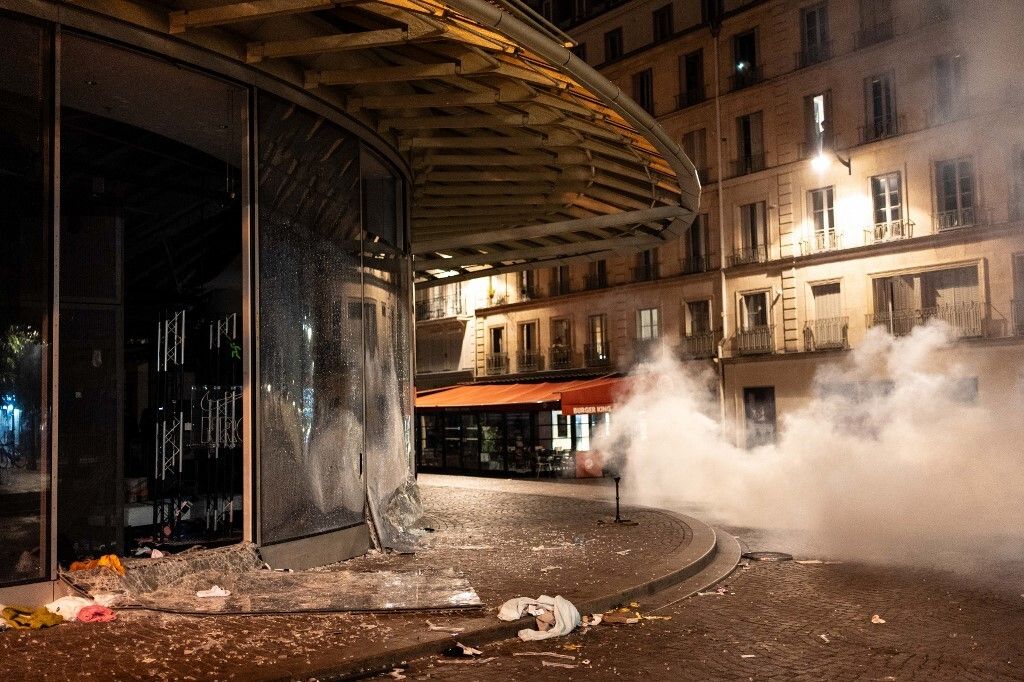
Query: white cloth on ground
{"x": 567, "y": 618}
{"x": 215, "y": 591}
{"x": 69, "y": 606}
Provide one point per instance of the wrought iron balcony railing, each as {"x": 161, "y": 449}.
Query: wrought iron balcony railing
{"x": 748, "y": 164}
{"x": 950, "y": 220}
{"x": 646, "y": 273}
{"x": 558, "y": 288}
{"x": 830, "y": 240}
{"x": 881, "y": 30}
{"x": 560, "y": 357}
{"x": 597, "y": 355}
{"x": 967, "y": 320}
{"x": 881, "y": 128}
{"x": 687, "y": 98}
{"x": 438, "y": 307}
{"x": 749, "y": 254}
{"x": 813, "y": 54}
{"x": 691, "y": 265}
{"x": 699, "y": 345}
{"x": 889, "y": 231}
{"x": 497, "y": 363}
{"x": 826, "y": 333}
{"x": 756, "y": 340}
{"x": 529, "y": 361}
{"x": 598, "y": 281}
{"x": 745, "y": 75}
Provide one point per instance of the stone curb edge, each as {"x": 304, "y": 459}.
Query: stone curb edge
{"x": 691, "y": 560}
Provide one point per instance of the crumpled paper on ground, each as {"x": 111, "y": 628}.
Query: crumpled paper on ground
{"x": 567, "y": 618}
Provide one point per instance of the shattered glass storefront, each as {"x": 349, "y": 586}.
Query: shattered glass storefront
{"x": 204, "y": 321}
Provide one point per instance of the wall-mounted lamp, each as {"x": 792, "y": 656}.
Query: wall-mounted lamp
{"x": 821, "y": 162}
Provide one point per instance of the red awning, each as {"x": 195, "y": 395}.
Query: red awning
{"x": 492, "y": 395}
{"x": 595, "y": 397}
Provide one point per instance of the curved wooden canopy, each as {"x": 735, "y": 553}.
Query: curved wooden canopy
{"x": 521, "y": 154}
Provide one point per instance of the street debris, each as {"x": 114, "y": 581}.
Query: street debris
{"x": 718, "y": 591}
{"x": 552, "y": 654}
{"x": 69, "y": 606}
{"x": 471, "y": 661}
{"x": 555, "y": 664}
{"x": 748, "y": 655}
{"x": 474, "y": 547}
{"x": 824, "y": 638}
{"x": 624, "y": 552}
{"x": 396, "y": 674}
{"x": 622, "y": 617}
{"x": 572, "y": 647}
{"x": 110, "y": 561}
{"x": 556, "y": 616}
{"x": 768, "y": 556}
{"x": 815, "y": 562}
{"x": 549, "y": 568}
{"x": 439, "y": 628}
{"x": 94, "y": 613}
{"x": 28, "y": 618}
{"x": 460, "y": 650}
{"x": 215, "y": 591}
{"x": 592, "y": 620}
{"x": 877, "y": 620}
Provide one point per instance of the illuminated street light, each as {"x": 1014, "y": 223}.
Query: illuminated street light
{"x": 822, "y": 161}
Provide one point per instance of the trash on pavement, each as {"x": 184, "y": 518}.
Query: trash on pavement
{"x": 621, "y": 617}
{"x": 748, "y": 656}
{"x": 549, "y": 568}
{"x": 440, "y": 628}
{"x": 556, "y": 616}
{"x": 28, "y": 618}
{"x": 550, "y": 654}
{"x": 106, "y": 561}
{"x": 768, "y": 556}
{"x": 720, "y": 590}
{"x": 94, "y": 613}
{"x": 461, "y": 649}
{"x": 592, "y": 620}
{"x": 877, "y": 620}
{"x": 69, "y": 606}
{"x": 215, "y": 591}
{"x": 396, "y": 674}
{"x": 824, "y": 638}
{"x": 624, "y": 552}
{"x": 556, "y": 664}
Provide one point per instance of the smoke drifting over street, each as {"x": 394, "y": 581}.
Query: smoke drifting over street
{"x": 899, "y": 456}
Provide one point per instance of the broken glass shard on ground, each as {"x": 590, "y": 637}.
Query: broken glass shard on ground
{"x": 170, "y": 584}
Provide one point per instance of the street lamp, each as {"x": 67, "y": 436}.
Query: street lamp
{"x": 821, "y": 162}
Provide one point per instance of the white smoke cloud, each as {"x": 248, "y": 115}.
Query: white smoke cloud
{"x": 892, "y": 460}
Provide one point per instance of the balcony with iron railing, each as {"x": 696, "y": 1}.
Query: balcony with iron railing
{"x": 529, "y": 361}
{"x": 826, "y": 333}
{"x": 643, "y": 349}
{"x": 829, "y": 240}
{"x": 529, "y": 293}
{"x": 745, "y": 75}
{"x": 438, "y": 307}
{"x": 560, "y": 356}
{"x": 496, "y": 363}
{"x": 697, "y": 263}
{"x": 749, "y": 254}
{"x": 699, "y": 345}
{"x": 813, "y": 54}
{"x": 881, "y": 29}
{"x": 880, "y": 129}
{"x": 597, "y": 355}
{"x": 559, "y": 288}
{"x": 646, "y": 272}
{"x": 756, "y": 340}
{"x": 688, "y": 98}
{"x": 889, "y": 231}
{"x": 966, "y": 320}
{"x": 745, "y": 165}
{"x": 957, "y": 218}
{"x": 596, "y": 281}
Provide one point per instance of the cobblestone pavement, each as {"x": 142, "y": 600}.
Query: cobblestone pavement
{"x": 488, "y": 533}
{"x": 787, "y": 621}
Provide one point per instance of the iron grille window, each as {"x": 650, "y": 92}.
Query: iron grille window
{"x": 954, "y": 192}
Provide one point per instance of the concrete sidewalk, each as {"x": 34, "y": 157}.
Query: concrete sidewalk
{"x": 509, "y": 538}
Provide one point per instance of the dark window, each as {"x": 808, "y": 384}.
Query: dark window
{"x": 695, "y": 144}
{"x": 875, "y": 22}
{"x": 497, "y": 340}
{"x": 1017, "y": 192}
{"x": 759, "y": 410}
{"x": 597, "y": 275}
{"x": 643, "y": 90}
{"x": 881, "y": 108}
{"x": 950, "y": 92}
{"x": 613, "y": 45}
{"x": 691, "y": 81}
{"x": 697, "y": 245}
{"x": 699, "y": 316}
{"x": 749, "y": 144}
{"x": 954, "y": 193}
{"x": 745, "y": 68}
{"x": 814, "y": 36}
{"x": 662, "y": 23}
{"x": 753, "y": 235}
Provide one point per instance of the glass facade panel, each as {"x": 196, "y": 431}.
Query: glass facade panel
{"x": 312, "y": 313}
{"x": 26, "y": 268}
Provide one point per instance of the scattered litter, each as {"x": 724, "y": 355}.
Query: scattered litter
{"x": 439, "y": 628}
{"x": 748, "y": 656}
{"x": 396, "y": 674}
{"x": 555, "y": 664}
{"x": 156, "y": 554}
{"x": 622, "y": 617}
{"x": 585, "y": 661}
{"x": 720, "y": 590}
{"x": 215, "y": 591}
{"x": 572, "y": 647}
{"x": 94, "y": 613}
{"x": 461, "y": 649}
{"x": 549, "y": 568}
{"x": 808, "y": 562}
{"x": 592, "y": 620}
{"x": 68, "y": 606}
{"x": 551, "y": 654}
{"x": 472, "y": 661}
{"x": 624, "y": 552}
{"x": 474, "y": 547}
{"x": 106, "y": 598}
{"x": 656, "y": 617}
{"x": 555, "y": 616}
{"x": 106, "y": 561}
{"x": 824, "y": 638}
{"x": 428, "y": 529}
{"x": 634, "y": 605}
{"x": 28, "y": 618}
{"x": 877, "y": 620}
{"x": 768, "y": 556}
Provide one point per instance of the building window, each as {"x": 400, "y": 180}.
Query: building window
{"x": 528, "y": 358}
{"x": 695, "y": 144}
{"x": 691, "y": 78}
{"x": 817, "y": 136}
{"x": 560, "y": 282}
{"x": 497, "y": 339}
{"x": 820, "y": 208}
{"x": 749, "y": 144}
{"x": 827, "y": 327}
{"x": 597, "y": 274}
{"x": 643, "y": 90}
{"x": 875, "y": 22}
{"x": 497, "y": 359}
{"x": 580, "y": 50}
{"x": 527, "y": 285}
{"x": 755, "y": 311}
{"x": 662, "y": 23}
{"x": 698, "y": 317}
{"x": 528, "y": 337}
{"x": 561, "y": 332}
{"x": 903, "y": 302}
{"x": 887, "y": 208}
{"x": 759, "y": 413}
{"x": 814, "y": 37}
{"x": 950, "y": 90}
{"x": 881, "y": 108}
{"x": 744, "y": 51}
{"x": 755, "y": 334}
{"x": 753, "y": 237}
{"x": 647, "y": 324}
{"x": 646, "y": 266}
{"x": 597, "y": 349}
{"x": 613, "y": 45}
{"x": 954, "y": 193}
{"x": 696, "y": 257}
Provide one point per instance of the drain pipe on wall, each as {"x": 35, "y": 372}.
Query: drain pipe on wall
{"x": 715, "y": 32}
